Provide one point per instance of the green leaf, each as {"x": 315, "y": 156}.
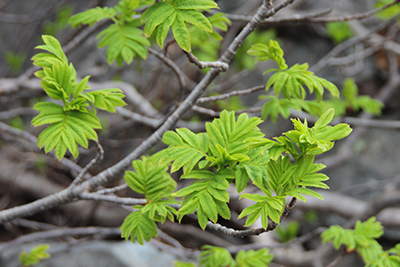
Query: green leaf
{"x": 150, "y": 179}
{"x": 302, "y": 190}
{"x": 181, "y": 33}
{"x": 254, "y": 258}
{"x": 176, "y": 13}
{"x": 186, "y": 149}
{"x": 74, "y": 128}
{"x": 35, "y": 255}
{"x": 53, "y": 46}
{"x": 194, "y": 4}
{"x": 215, "y": 257}
{"x": 139, "y": 226}
{"x": 106, "y": 99}
{"x": 272, "y": 51}
{"x": 124, "y": 41}
{"x": 91, "y": 16}
{"x": 325, "y": 118}
{"x": 242, "y": 178}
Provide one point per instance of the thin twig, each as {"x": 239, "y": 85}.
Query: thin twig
{"x": 323, "y": 62}
{"x": 292, "y": 18}
{"x": 206, "y": 64}
{"x": 112, "y": 190}
{"x": 252, "y": 231}
{"x": 97, "y": 159}
{"x": 228, "y": 95}
{"x": 113, "y": 199}
{"x": 169, "y": 63}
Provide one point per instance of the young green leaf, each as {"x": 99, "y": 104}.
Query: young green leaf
{"x": 150, "y": 178}
{"x": 35, "y": 255}
{"x": 186, "y": 149}
{"x": 139, "y": 226}
{"x": 215, "y": 257}
{"x": 254, "y": 258}
{"x": 91, "y": 16}
{"x": 73, "y": 123}
{"x": 177, "y": 13}
{"x": 124, "y": 42}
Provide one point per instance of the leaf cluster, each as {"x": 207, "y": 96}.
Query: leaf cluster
{"x": 155, "y": 183}
{"x": 73, "y": 122}
{"x": 219, "y": 257}
{"x": 288, "y": 81}
{"x": 363, "y": 239}
{"x": 209, "y": 158}
{"x": 34, "y": 256}
{"x": 175, "y": 14}
{"x": 123, "y": 38}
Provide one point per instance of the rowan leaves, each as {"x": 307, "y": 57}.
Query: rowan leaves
{"x": 124, "y": 39}
{"x": 176, "y": 14}
{"x": 73, "y": 122}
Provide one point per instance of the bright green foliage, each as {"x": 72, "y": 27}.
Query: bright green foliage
{"x": 387, "y": 13}
{"x": 363, "y": 234}
{"x": 339, "y": 31}
{"x": 254, "y": 258}
{"x": 184, "y": 264}
{"x": 222, "y": 145}
{"x": 186, "y": 149}
{"x": 152, "y": 180}
{"x": 138, "y": 226}
{"x": 278, "y": 177}
{"x": 362, "y": 239}
{"x": 267, "y": 206}
{"x": 71, "y": 123}
{"x": 208, "y": 195}
{"x": 34, "y": 256}
{"x": 319, "y": 138}
{"x": 288, "y": 231}
{"x": 176, "y": 14}
{"x": 291, "y": 81}
{"x": 205, "y": 44}
{"x": 215, "y": 257}
{"x": 241, "y": 59}
{"x": 219, "y": 257}
{"x": 288, "y": 81}
{"x": 265, "y": 52}
{"x": 123, "y": 38}
{"x": 227, "y": 138}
